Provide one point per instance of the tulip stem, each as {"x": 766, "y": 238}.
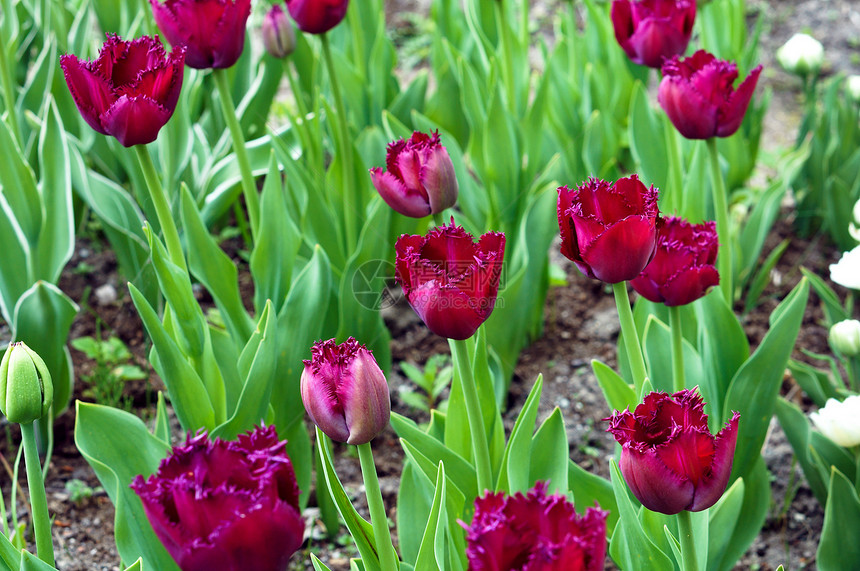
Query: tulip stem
{"x": 507, "y": 52}
{"x": 676, "y": 186}
{"x": 378, "y": 518}
{"x": 853, "y": 369}
{"x": 38, "y": 500}
{"x": 304, "y": 131}
{"x": 688, "y": 543}
{"x": 350, "y": 200}
{"x": 249, "y": 188}
{"x": 721, "y": 208}
{"x": 677, "y": 347}
{"x": 631, "y": 336}
{"x": 480, "y": 450}
{"x": 162, "y": 206}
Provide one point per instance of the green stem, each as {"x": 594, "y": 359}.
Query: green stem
{"x": 524, "y": 22}
{"x": 721, "y": 208}
{"x": 249, "y": 189}
{"x": 676, "y": 185}
{"x": 508, "y": 54}
{"x": 631, "y": 336}
{"x": 854, "y": 372}
{"x": 8, "y": 90}
{"x": 310, "y": 146}
{"x": 162, "y": 206}
{"x": 438, "y": 219}
{"x": 38, "y": 500}
{"x": 677, "y": 348}
{"x": 350, "y": 200}
{"x": 378, "y": 518}
{"x": 689, "y": 560}
{"x": 460, "y": 352}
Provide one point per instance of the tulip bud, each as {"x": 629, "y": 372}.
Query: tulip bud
{"x": 846, "y": 272}
{"x": 852, "y": 89}
{"x": 26, "y": 390}
{"x": 854, "y": 226}
{"x": 840, "y": 421}
{"x": 279, "y": 37}
{"x": 845, "y": 337}
{"x": 345, "y": 392}
{"x": 801, "y": 55}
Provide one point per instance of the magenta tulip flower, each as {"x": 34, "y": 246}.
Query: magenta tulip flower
{"x": 213, "y": 31}
{"x": 609, "y": 230}
{"x": 699, "y": 96}
{"x": 683, "y": 268}
{"x": 669, "y": 458}
{"x": 534, "y": 532}
{"x": 652, "y": 31}
{"x": 450, "y": 281}
{"x": 345, "y": 392}
{"x": 317, "y": 16}
{"x": 230, "y": 506}
{"x": 420, "y": 179}
{"x": 129, "y": 91}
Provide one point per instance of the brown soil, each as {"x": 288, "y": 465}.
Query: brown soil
{"x": 581, "y": 325}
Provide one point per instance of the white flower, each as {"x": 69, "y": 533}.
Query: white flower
{"x": 852, "y": 88}
{"x": 846, "y": 272}
{"x": 854, "y": 227}
{"x": 840, "y": 421}
{"x": 801, "y": 55}
{"x": 845, "y": 337}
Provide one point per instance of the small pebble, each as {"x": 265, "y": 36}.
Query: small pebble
{"x": 105, "y": 294}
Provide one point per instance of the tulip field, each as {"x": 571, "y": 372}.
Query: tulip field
{"x": 429, "y": 285}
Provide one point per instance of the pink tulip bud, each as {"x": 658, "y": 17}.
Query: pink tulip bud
{"x": 609, "y": 230}
{"x": 420, "y": 179}
{"x": 683, "y": 269}
{"x": 129, "y": 91}
{"x": 699, "y": 97}
{"x": 669, "y": 458}
{"x": 345, "y": 392}
{"x": 652, "y": 31}
{"x": 213, "y": 31}
{"x": 279, "y": 38}
{"x": 317, "y": 16}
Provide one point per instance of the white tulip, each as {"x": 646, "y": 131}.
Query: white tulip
{"x": 801, "y": 55}
{"x": 845, "y": 337}
{"x": 852, "y": 88}
{"x": 846, "y": 272}
{"x": 854, "y": 227}
{"x": 840, "y": 421}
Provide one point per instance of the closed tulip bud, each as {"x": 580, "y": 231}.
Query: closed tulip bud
{"x": 845, "y": 337}
{"x": 852, "y": 89}
{"x": 698, "y": 95}
{"x": 801, "y": 55}
{"x": 279, "y": 37}
{"x": 651, "y": 31}
{"x": 669, "y": 458}
{"x": 420, "y": 179}
{"x": 854, "y": 226}
{"x": 317, "y": 16}
{"x": 609, "y": 230}
{"x": 840, "y": 421}
{"x": 846, "y": 272}
{"x": 26, "y": 390}
{"x": 345, "y": 392}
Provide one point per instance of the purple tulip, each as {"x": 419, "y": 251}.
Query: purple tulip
{"x": 609, "y": 230}
{"x": 345, "y": 392}
{"x": 279, "y": 38}
{"x": 651, "y": 31}
{"x": 669, "y": 458}
{"x": 534, "y": 532}
{"x": 420, "y": 179}
{"x": 699, "y": 97}
{"x": 317, "y": 16}
{"x": 129, "y": 91}
{"x": 213, "y": 31}
{"x": 683, "y": 269}
{"x": 230, "y": 506}
{"x": 450, "y": 281}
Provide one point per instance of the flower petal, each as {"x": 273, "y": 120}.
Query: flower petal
{"x": 135, "y": 120}
{"x": 623, "y": 250}
{"x": 659, "y": 488}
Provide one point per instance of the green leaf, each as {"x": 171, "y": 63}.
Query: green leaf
{"x": 414, "y": 500}
{"x": 588, "y": 489}
{"x": 116, "y": 461}
{"x": 19, "y": 187}
{"x": 833, "y": 308}
{"x": 136, "y": 566}
{"x": 618, "y": 394}
{"x": 723, "y": 517}
{"x": 657, "y": 346}
{"x": 647, "y": 142}
{"x": 839, "y": 548}
{"x": 427, "y": 556}
{"x": 754, "y": 510}
{"x": 549, "y": 454}
{"x": 318, "y": 565}
{"x": 514, "y": 472}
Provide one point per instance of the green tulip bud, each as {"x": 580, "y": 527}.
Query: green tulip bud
{"x": 26, "y": 390}
{"x": 845, "y": 337}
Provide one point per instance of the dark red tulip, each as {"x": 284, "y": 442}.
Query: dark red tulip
{"x": 609, "y": 230}
{"x": 652, "y": 31}
{"x": 230, "y": 506}
{"x": 534, "y": 532}
{"x": 317, "y": 16}
{"x": 669, "y": 458}
{"x": 699, "y": 96}
{"x": 129, "y": 91}
{"x": 683, "y": 269}
{"x": 420, "y": 178}
{"x": 450, "y": 281}
{"x": 345, "y": 392}
{"x": 213, "y": 31}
